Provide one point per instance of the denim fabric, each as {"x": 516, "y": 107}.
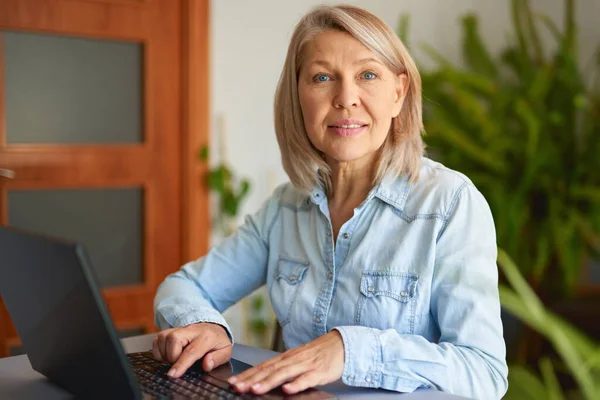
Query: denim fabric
{"x": 411, "y": 283}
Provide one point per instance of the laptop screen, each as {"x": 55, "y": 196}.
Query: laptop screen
{"x": 51, "y": 295}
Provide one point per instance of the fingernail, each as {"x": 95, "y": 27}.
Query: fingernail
{"x": 256, "y": 386}
{"x": 211, "y": 364}
{"x": 171, "y": 372}
{"x": 233, "y": 380}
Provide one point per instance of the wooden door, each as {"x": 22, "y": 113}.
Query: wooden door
{"x": 96, "y": 139}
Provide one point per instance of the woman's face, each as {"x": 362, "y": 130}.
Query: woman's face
{"x": 348, "y": 98}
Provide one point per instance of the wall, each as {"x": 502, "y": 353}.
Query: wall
{"x": 249, "y": 43}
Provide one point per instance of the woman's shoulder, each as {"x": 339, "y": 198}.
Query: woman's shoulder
{"x": 289, "y": 196}
{"x": 435, "y": 192}
{"x": 434, "y": 175}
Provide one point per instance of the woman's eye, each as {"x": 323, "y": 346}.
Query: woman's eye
{"x": 320, "y": 78}
{"x": 369, "y": 76}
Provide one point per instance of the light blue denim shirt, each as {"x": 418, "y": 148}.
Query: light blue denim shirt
{"x": 411, "y": 283}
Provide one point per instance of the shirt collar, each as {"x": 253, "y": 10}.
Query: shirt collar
{"x": 391, "y": 190}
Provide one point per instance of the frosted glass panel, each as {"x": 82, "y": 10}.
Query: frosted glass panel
{"x": 108, "y": 222}
{"x": 62, "y": 89}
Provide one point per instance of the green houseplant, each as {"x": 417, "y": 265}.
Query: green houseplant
{"x": 578, "y": 355}
{"x": 525, "y": 127}
{"x": 230, "y": 191}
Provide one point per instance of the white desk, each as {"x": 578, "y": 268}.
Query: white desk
{"x": 18, "y": 381}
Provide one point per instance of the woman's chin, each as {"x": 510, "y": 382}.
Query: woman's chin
{"x": 349, "y": 156}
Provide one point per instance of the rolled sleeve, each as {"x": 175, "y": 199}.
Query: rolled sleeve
{"x": 204, "y": 288}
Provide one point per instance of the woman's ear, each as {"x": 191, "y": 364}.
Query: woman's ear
{"x": 401, "y": 90}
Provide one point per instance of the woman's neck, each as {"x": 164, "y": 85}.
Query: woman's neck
{"x": 351, "y": 183}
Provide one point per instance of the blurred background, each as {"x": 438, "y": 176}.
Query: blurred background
{"x": 123, "y": 122}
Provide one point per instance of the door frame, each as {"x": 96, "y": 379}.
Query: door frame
{"x": 196, "y": 127}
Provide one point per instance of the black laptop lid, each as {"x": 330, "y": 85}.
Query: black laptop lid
{"x": 53, "y": 300}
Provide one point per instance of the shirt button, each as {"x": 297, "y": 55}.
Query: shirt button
{"x": 330, "y": 275}
{"x": 292, "y": 278}
{"x": 368, "y": 379}
{"x": 318, "y": 319}
{"x": 403, "y": 293}
{"x": 329, "y": 234}
{"x": 370, "y": 289}
{"x": 346, "y": 236}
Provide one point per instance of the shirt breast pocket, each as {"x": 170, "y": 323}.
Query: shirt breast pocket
{"x": 289, "y": 275}
{"x": 387, "y": 300}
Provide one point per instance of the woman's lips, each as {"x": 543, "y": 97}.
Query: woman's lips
{"x": 347, "y": 131}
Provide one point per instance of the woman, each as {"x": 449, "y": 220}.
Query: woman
{"x": 380, "y": 263}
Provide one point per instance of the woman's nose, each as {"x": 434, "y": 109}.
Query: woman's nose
{"x": 346, "y": 96}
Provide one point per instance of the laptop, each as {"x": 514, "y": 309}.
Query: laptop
{"x": 50, "y": 290}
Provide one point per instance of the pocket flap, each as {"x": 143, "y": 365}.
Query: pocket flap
{"x": 291, "y": 271}
{"x": 400, "y": 286}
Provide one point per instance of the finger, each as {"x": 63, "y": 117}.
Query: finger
{"x": 216, "y": 357}
{"x": 246, "y": 379}
{"x": 279, "y": 376}
{"x": 161, "y": 342}
{"x": 174, "y": 344}
{"x": 192, "y": 353}
{"x": 303, "y": 382}
{"x": 256, "y": 374}
{"x": 256, "y": 369}
{"x": 155, "y": 350}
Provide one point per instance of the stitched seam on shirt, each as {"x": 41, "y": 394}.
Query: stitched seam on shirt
{"x": 407, "y": 383}
{"x": 294, "y": 208}
{"x": 389, "y": 273}
{"x": 397, "y": 204}
{"x": 412, "y": 315}
{"x": 379, "y": 361}
{"x": 451, "y": 210}
{"x": 455, "y": 200}
{"x": 388, "y": 200}
{"x": 410, "y": 219}
{"x": 275, "y": 217}
{"x": 194, "y": 319}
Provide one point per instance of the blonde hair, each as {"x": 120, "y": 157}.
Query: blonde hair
{"x": 403, "y": 148}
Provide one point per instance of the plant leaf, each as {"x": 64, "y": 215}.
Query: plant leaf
{"x": 571, "y": 345}
{"x": 524, "y": 385}
{"x": 403, "y": 27}
{"x": 554, "y": 390}
{"x": 436, "y": 56}
{"x": 203, "y": 153}
{"x": 551, "y": 26}
{"x": 474, "y": 51}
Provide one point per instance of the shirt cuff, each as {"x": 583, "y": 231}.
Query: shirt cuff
{"x": 362, "y": 356}
{"x": 191, "y": 317}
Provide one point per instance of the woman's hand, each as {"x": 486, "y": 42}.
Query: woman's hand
{"x": 315, "y": 363}
{"x": 185, "y": 345}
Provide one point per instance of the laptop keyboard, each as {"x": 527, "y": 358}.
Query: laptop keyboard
{"x": 153, "y": 380}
